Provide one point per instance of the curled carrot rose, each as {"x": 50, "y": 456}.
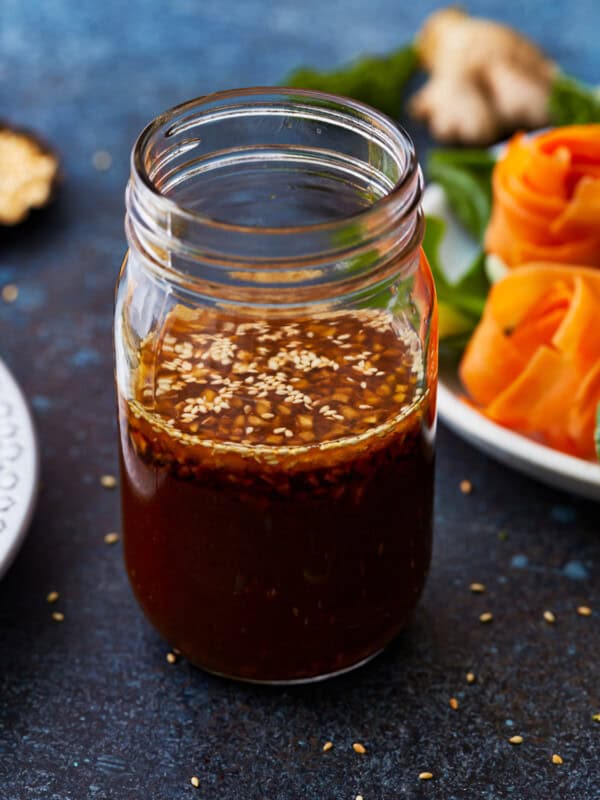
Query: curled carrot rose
{"x": 533, "y": 363}
{"x": 546, "y": 198}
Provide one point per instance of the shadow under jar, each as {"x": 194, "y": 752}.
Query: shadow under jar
{"x": 276, "y": 364}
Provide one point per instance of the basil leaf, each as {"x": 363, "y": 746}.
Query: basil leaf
{"x": 452, "y": 347}
{"x": 471, "y": 291}
{"x": 572, "y": 102}
{"x": 376, "y": 80}
{"x": 466, "y": 177}
{"x": 468, "y": 295}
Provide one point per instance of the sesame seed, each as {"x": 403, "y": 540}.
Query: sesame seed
{"x": 171, "y": 658}
{"x": 549, "y": 617}
{"x": 327, "y": 746}
{"x": 195, "y": 781}
{"x": 221, "y": 380}
{"x": 111, "y": 538}
{"x": 516, "y": 740}
{"x": 425, "y": 776}
{"x": 102, "y": 160}
{"x": 477, "y": 588}
{"x": 58, "y": 616}
{"x": 453, "y": 703}
{"x": 10, "y": 292}
{"x": 470, "y": 676}
{"x": 556, "y": 759}
{"x": 584, "y": 611}
{"x": 358, "y": 797}
{"x": 486, "y": 617}
{"x": 52, "y": 597}
{"x": 108, "y": 481}
{"x": 466, "y": 487}
{"x": 359, "y": 748}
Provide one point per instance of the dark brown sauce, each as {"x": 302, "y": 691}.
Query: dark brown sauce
{"x": 277, "y": 489}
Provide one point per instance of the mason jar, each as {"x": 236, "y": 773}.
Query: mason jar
{"x": 276, "y": 367}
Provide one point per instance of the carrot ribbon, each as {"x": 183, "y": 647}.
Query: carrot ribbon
{"x": 533, "y": 362}
{"x": 546, "y": 198}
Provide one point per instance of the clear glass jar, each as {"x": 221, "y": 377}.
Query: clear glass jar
{"x": 276, "y": 364}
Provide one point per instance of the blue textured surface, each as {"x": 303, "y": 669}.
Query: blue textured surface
{"x": 90, "y": 708}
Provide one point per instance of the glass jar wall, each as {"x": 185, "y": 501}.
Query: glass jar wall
{"x": 276, "y": 361}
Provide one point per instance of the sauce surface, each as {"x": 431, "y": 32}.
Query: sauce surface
{"x": 278, "y": 480}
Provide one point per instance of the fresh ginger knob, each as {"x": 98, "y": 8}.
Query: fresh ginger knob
{"x": 486, "y": 80}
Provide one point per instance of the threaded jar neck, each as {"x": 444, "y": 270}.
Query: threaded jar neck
{"x": 275, "y": 196}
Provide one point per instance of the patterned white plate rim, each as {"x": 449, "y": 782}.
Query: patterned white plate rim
{"x": 19, "y": 468}
{"x": 516, "y": 451}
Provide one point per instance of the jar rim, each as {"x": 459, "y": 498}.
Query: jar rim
{"x": 395, "y": 134}
{"x": 348, "y": 254}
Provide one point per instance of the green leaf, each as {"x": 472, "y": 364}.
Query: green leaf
{"x": 468, "y": 295}
{"x": 474, "y": 158}
{"x": 452, "y": 321}
{"x": 452, "y": 348}
{"x": 377, "y": 80}
{"x": 572, "y": 102}
{"x": 466, "y": 177}
{"x": 472, "y": 290}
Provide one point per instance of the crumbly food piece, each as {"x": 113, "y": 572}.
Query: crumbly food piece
{"x": 28, "y": 173}
{"x": 486, "y": 80}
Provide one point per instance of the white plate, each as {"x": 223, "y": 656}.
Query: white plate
{"x": 543, "y": 463}
{"x": 19, "y": 468}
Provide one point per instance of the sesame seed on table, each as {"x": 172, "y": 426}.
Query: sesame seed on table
{"x": 93, "y": 704}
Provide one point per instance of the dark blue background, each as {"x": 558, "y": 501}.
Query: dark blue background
{"x": 90, "y": 708}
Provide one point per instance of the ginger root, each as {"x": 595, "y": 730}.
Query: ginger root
{"x": 486, "y": 80}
